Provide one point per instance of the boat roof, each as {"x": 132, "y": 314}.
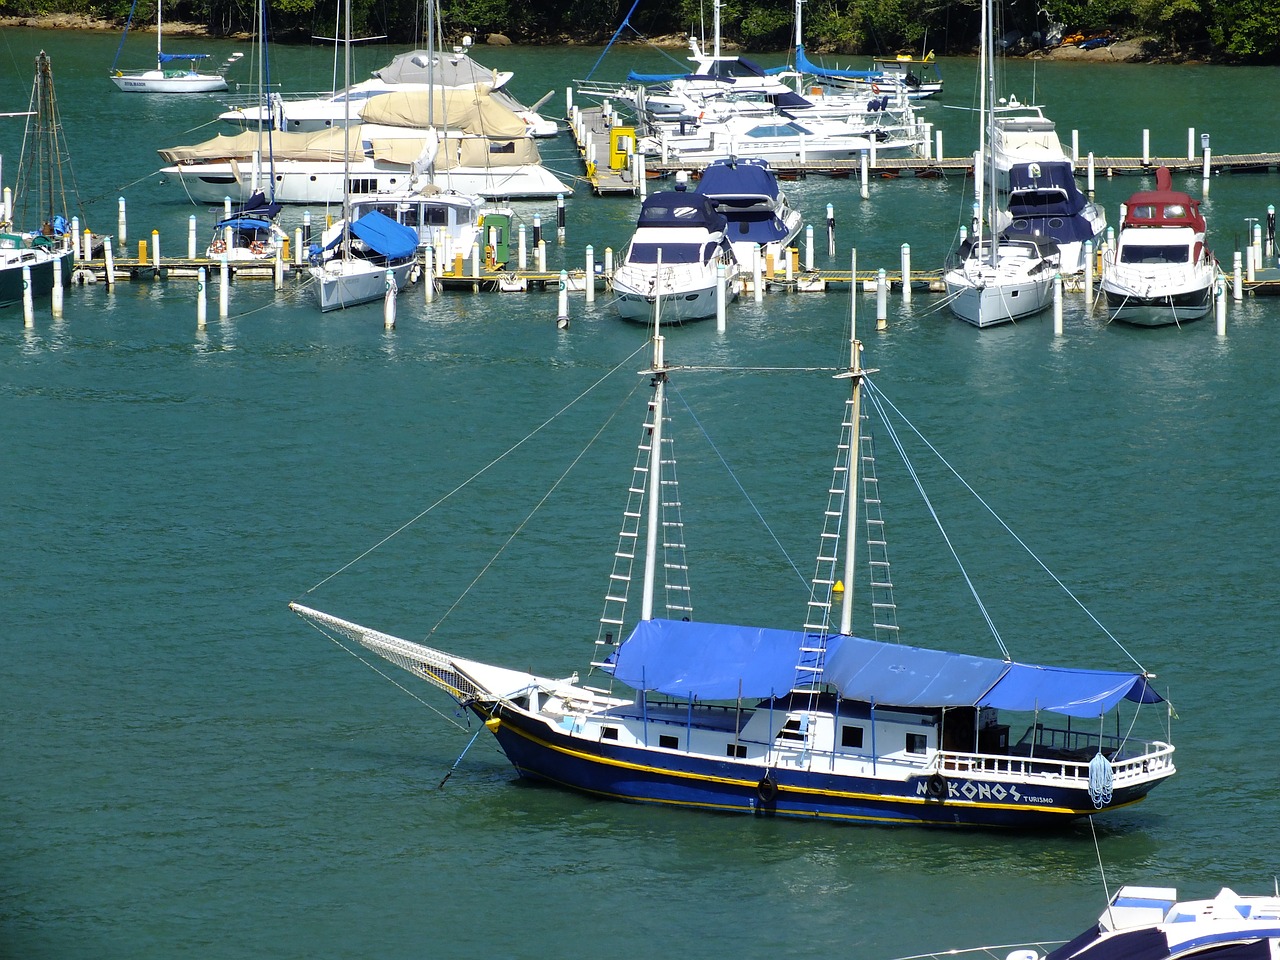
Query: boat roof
{"x": 674, "y": 208}
{"x": 449, "y": 70}
{"x": 715, "y": 661}
{"x": 743, "y": 180}
{"x": 1163, "y": 206}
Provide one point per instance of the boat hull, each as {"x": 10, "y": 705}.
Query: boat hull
{"x": 162, "y": 81}
{"x": 1160, "y": 311}
{"x": 42, "y": 264}
{"x": 348, "y": 283}
{"x": 996, "y": 304}
{"x": 541, "y": 752}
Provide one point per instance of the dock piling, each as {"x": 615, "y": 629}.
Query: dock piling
{"x": 56, "y": 293}
{"x": 28, "y": 303}
{"x": 591, "y": 274}
{"x": 906, "y": 273}
{"x": 191, "y": 237}
{"x": 202, "y": 307}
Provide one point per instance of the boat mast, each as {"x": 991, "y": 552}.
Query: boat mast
{"x": 717, "y": 29}
{"x": 989, "y": 119}
{"x": 855, "y": 374}
{"x": 159, "y": 49}
{"x": 346, "y": 133}
{"x": 658, "y": 370}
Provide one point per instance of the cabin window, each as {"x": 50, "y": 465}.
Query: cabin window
{"x": 917, "y": 743}
{"x": 737, "y": 751}
{"x": 850, "y": 736}
{"x": 609, "y": 733}
{"x": 1155, "y": 253}
{"x": 669, "y": 742}
{"x": 508, "y": 147}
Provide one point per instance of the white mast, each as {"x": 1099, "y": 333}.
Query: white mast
{"x": 716, "y": 52}
{"x": 854, "y": 373}
{"x": 159, "y": 48}
{"x": 659, "y": 373}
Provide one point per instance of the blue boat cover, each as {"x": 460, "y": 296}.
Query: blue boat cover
{"x": 804, "y": 66}
{"x": 244, "y": 223}
{"x": 749, "y": 180}
{"x": 383, "y": 235}
{"x": 712, "y": 661}
{"x": 1045, "y": 201}
{"x": 169, "y": 57}
{"x": 674, "y": 208}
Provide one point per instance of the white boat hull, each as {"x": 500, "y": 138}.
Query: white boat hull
{"x": 343, "y": 283}
{"x": 988, "y": 302}
{"x": 1157, "y": 299}
{"x": 318, "y": 183}
{"x": 688, "y": 296}
{"x": 168, "y": 81}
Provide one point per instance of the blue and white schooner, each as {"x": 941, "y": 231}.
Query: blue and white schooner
{"x": 817, "y": 722}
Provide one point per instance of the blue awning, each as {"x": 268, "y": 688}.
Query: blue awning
{"x": 383, "y": 235}
{"x": 712, "y": 661}
{"x": 804, "y": 66}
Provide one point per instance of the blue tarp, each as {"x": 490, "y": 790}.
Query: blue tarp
{"x": 244, "y": 223}
{"x": 169, "y": 57}
{"x": 748, "y": 179}
{"x": 383, "y": 235}
{"x": 1045, "y": 201}
{"x": 673, "y": 208}
{"x": 804, "y": 66}
{"x": 722, "y": 662}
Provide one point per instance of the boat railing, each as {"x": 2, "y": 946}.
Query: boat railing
{"x": 1061, "y": 754}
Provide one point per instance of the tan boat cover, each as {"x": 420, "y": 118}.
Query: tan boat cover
{"x": 320, "y": 145}
{"x": 467, "y": 111}
{"x": 484, "y": 152}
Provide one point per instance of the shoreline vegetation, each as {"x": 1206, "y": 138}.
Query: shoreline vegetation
{"x": 1120, "y": 51}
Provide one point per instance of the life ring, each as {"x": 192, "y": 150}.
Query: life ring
{"x": 875, "y": 88}
{"x": 219, "y": 246}
{"x": 767, "y": 789}
{"x": 258, "y": 247}
{"x": 936, "y": 787}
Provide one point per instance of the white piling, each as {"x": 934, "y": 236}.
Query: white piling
{"x": 562, "y": 308}
{"x": 226, "y": 208}
{"x": 1088, "y": 275}
{"x": 789, "y": 273}
{"x": 1204, "y": 149}
{"x": 1057, "y": 304}
{"x": 1249, "y": 272}
{"x": 1075, "y": 146}
{"x": 75, "y": 239}
{"x": 568, "y": 101}
{"x": 882, "y": 299}
{"x": 560, "y": 218}
{"x": 87, "y": 246}
{"x": 803, "y": 151}
{"x": 299, "y": 256}
{"x": 121, "y": 234}
{"x": 389, "y": 301}
{"x": 831, "y": 230}
{"x": 853, "y": 289}
{"x": 537, "y": 229}
{"x": 306, "y": 226}
{"x": 279, "y": 268}
{"x": 808, "y": 247}
{"x": 6, "y": 205}
{"x": 1271, "y": 230}
{"x": 1220, "y": 307}
{"x": 1191, "y": 143}
{"x": 608, "y": 265}
{"x": 591, "y": 274}
{"x": 155, "y": 250}
{"x": 56, "y": 306}
{"x": 873, "y": 154}
{"x": 1146, "y": 147}
{"x": 28, "y": 303}
{"x": 429, "y": 273}
{"x": 642, "y": 183}
{"x": 522, "y": 249}
{"x": 757, "y": 275}
{"x": 191, "y": 237}
{"x": 906, "y": 273}
{"x": 202, "y": 306}
{"x": 224, "y": 288}
{"x": 1090, "y": 178}
{"x": 475, "y": 259}
{"x": 109, "y": 263}
{"x": 720, "y": 297}
{"x": 542, "y": 256}
{"x": 937, "y": 144}
{"x": 1237, "y": 287}
{"x": 1257, "y": 246}
{"x": 863, "y": 190}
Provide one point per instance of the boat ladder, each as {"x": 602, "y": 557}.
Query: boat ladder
{"x": 817, "y": 626}
{"x": 671, "y": 527}
{"x": 884, "y": 612}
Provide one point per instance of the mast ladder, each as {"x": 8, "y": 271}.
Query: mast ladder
{"x": 817, "y": 626}
{"x": 884, "y": 612}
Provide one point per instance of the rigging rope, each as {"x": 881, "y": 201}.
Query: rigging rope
{"x": 879, "y": 398}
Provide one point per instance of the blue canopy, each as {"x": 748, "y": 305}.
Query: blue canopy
{"x": 169, "y": 57}
{"x": 737, "y": 182}
{"x": 674, "y": 208}
{"x": 244, "y": 223}
{"x": 383, "y": 235}
{"x": 722, "y": 662}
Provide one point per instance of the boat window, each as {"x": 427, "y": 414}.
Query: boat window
{"x": 850, "y": 736}
{"x": 669, "y": 742}
{"x": 917, "y": 743}
{"x": 609, "y": 733}
{"x": 736, "y": 750}
{"x": 776, "y": 130}
{"x": 1144, "y": 212}
{"x": 498, "y": 147}
{"x": 671, "y": 252}
{"x": 1174, "y": 210}
{"x": 1155, "y": 253}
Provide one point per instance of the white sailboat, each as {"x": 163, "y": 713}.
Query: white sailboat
{"x": 169, "y": 75}
{"x": 993, "y": 278}
{"x": 369, "y": 258}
